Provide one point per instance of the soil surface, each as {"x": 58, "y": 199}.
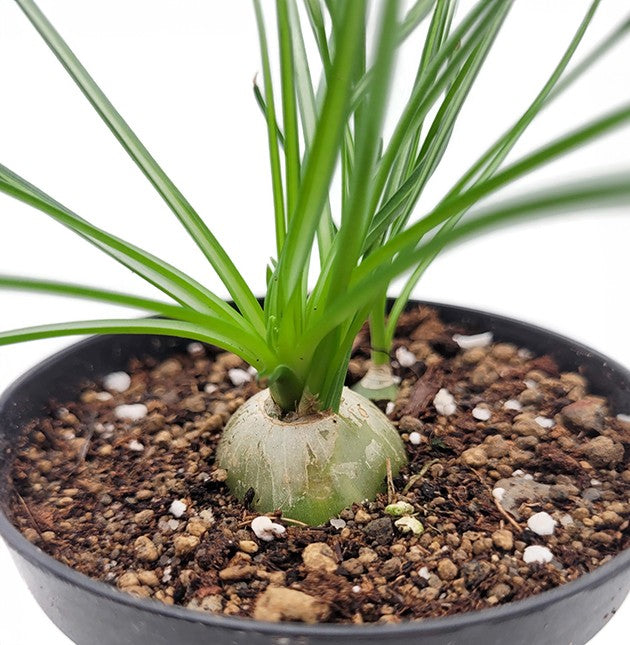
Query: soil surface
{"x": 518, "y": 482}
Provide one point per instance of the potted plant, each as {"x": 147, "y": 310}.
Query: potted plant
{"x": 280, "y": 491}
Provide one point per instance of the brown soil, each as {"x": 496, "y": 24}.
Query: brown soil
{"x": 96, "y": 491}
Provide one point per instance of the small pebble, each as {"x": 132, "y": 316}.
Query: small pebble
{"x": 103, "y": 396}
{"x": 513, "y": 404}
{"x": 503, "y": 539}
{"x": 145, "y": 550}
{"x": 265, "y": 529}
{"x": 135, "y": 445}
{"x": 405, "y": 357}
{"x": 133, "y": 412}
{"x": 177, "y": 508}
{"x": 541, "y": 523}
{"x": 475, "y": 457}
{"x": 444, "y": 403}
{"x": 318, "y": 556}
{"x": 537, "y": 554}
{"x": 210, "y": 388}
{"x": 475, "y": 340}
{"x": 185, "y": 544}
{"x": 544, "y": 422}
{"x": 117, "y": 382}
{"x": 481, "y": 414}
{"x": 239, "y": 377}
{"x": 447, "y": 570}
{"x": 415, "y": 438}
{"x": 248, "y": 546}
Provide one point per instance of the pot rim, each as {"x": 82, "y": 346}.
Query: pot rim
{"x": 17, "y": 542}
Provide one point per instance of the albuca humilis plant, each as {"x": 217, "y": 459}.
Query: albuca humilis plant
{"x": 305, "y": 444}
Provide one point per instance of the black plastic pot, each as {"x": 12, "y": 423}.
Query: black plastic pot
{"x": 91, "y": 612}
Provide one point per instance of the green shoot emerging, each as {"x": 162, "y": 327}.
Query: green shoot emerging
{"x": 319, "y": 128}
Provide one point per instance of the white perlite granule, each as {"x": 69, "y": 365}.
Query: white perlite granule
{"x": 177, "y": 508}
{"x": 265, "y": 529}
{"x": 415, "y": 438}
{"x": 537, "y": 554}
{"x": 541, "y": 523}
{"x": 239, "y": 376}
{"x": 405, "y": 357}
{"x": 210, "y": 388}
{"x": 117, "y": 382}
{"x": 135, "y": 445}
{"x": 337, "y": 523}
{"x": 195, "y": 349}
{"x": 132, "y": 412}
{"x": 423, "y": 572}
{"x": 481, "y": 414}
{"x": 444, "y": 403}
{"x": 513, "y": 404}
{"x": 625, "y": 418}
{"x": 544, "y": 422}
{"x": 476, "y": 340}
{"x": 389, "y": 408}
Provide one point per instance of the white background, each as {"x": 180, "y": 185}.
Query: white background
{"x": 181, "y": 74}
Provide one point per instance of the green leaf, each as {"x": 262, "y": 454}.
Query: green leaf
{"x": 170, "y": 280}
{"x": 323, "y": 155}
{"x": 308, "y": 117}
{"x": 220, "y": 334}
{"x": 318, "y": 26}
{"x": 527, "y": 164}
{"x": 289, "y": 106}
{"x": 191, "y": 221}
{"x": 356, "y": 216}
{"x": 606, "y": 191}
{"x": 52, "y": 287}
{"x": 416, "y": 14}
{"x": 430, "y": 86}
{"x": 492, "y": 159}
{"x": 260, "y": 101}
{"x": 438, "y": 136}
{"x": 272, "y": 127}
